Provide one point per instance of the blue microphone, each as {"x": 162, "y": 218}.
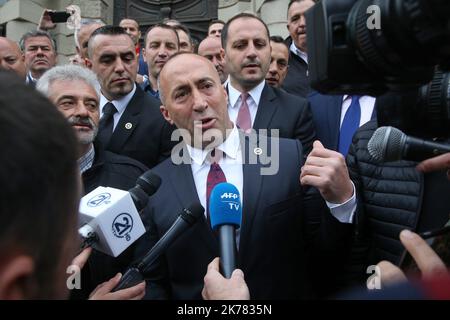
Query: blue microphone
{"x": 225, "y": 213}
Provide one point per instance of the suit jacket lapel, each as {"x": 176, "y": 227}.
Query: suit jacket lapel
{"x": 128, "y": 121}
{"x": 252, "y": 180}
{"x": 334, "y": 119}
{"x": 374, "y": 112}
{"x": 184, "y": 186}
{"x": 266, "y": 109}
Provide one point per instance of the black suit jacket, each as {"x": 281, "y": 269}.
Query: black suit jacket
{"x": 272, "y": 237}
{"x": 326, "y": 111}
{"x": 148, "y": 138}
{"x": 290, "y": 114}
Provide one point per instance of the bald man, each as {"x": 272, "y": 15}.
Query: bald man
{"x": 11, "y": 57}
{"x": 131, "y": 27}
{"x": 82, "y": 37}
{"x": 211, "y": 49}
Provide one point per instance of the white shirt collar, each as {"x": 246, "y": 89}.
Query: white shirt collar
{"x": 30, "y": 78}
{"x": 298, "y": 52}
{"x": 120, "y": 104}
{"x": 346, "y": 96}
{"x": 255, "y": 93}
{"x": 230, "y": 147}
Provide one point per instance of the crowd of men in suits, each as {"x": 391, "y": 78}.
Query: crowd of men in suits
{"x": 308, "y": 230}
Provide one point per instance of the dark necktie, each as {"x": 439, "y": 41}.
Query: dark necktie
{"x": 215, "y": 176}
{"x": 349, "y": 125}
{"x": 105, "y": 128}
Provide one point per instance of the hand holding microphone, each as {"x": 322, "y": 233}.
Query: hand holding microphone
{"x": 187, "y": 218}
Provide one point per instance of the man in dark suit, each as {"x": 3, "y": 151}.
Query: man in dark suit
{"x": 274, "y": 229}
{"x": 131, "y": 123}
{"x": 39, "y": 49}
{"x": 252, "y": 102}
{"x": 329, "y": 112}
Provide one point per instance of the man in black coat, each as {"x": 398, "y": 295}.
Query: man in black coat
{"x": 75, "y": 92}
{"x": 253, "y": 104}
{"x": 297, "y": 80}
{"x": 131, "y": 123}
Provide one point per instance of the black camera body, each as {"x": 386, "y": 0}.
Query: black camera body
{"x": 373, "y": 47}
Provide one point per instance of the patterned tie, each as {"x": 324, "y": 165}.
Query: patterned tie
{"x": 244, "y": 120}
{"x": 349, "y": 125}
{"x": 105, "y": 128}
{"x": 215, "y": 176}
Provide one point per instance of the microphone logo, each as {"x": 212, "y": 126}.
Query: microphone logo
{"x": 99, "y": 199}
{"x": 234, "y": 205}
{"x": 122, "y": 226}
{"x": 229, "y": 195}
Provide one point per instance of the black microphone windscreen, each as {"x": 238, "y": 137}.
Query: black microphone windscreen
{"x": 149, "y": 182}
{"x": 194, "y": 212}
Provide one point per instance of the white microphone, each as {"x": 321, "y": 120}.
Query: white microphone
{"x": 109, "y": 217}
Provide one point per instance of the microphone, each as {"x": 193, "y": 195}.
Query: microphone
{"x": 109, "y": 217}
{"x": 225, "y": 213}
{"x": 187, "y": 218}
{"x": 391, "y": 144}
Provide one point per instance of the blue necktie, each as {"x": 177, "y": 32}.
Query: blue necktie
{"x": 349, "y": 125}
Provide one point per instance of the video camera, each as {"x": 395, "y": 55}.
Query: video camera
{"x": 400, "y": 48}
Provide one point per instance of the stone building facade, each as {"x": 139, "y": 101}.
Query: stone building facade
{"x": 20, "y": 16}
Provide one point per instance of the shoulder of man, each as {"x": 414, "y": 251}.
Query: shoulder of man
{"x": 123, "y": 161}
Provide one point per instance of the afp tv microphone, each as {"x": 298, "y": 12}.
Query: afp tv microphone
{"x": 187, "y": 218}
{"x": 110, "y": 217}
{"x": 391, "y": 144}
{"x": 225, "y": 212}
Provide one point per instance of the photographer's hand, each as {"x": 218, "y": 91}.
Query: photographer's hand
{"x": 426, "y": 259}
{"x": 103, "y": 291}
{"x": 441, "y": 162}
{"x": 45, "y": 22}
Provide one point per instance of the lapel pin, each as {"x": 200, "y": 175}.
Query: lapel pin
{"x": 258, "y": 151}
{"x": 128, "y": 125}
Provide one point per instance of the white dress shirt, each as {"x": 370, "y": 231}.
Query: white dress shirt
{"x": 344, "y": 212}
{"x": 235, "y": 101}
{"x": 231, "y": 164}
{"x": 298, "y": 52}
{"x": 367, "y": 104}
{"x": 120, "y": 105}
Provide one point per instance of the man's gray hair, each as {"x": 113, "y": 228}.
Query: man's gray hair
{"x": 35, "y": 34}
{"x": 67, "y": 73}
